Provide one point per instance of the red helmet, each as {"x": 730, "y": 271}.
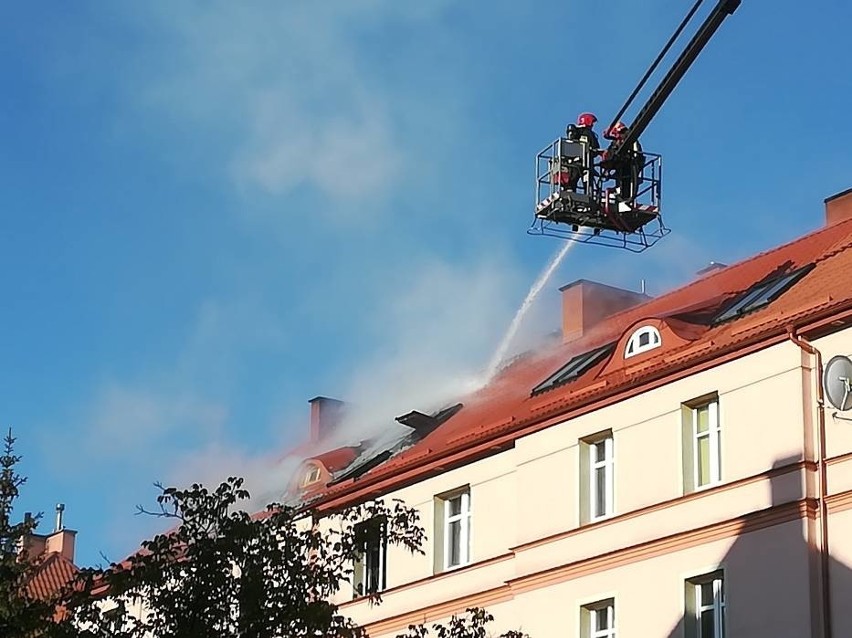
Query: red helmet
{"x": 617, "y": 131}
{"x": 586, "y": 119}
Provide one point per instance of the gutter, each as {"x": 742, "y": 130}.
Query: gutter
{"x": 825, "y": 577}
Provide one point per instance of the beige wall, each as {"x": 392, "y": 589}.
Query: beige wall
{"x": 649, "y": 594}
{"x": 526, "y": 523}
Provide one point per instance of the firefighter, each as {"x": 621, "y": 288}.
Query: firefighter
{"x": 627, "y": 170}
{"x": 582, "y": 132}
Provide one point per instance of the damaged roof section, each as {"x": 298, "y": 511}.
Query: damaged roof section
{"x": 395, "y": 440}
{"x": 423, "y": 424}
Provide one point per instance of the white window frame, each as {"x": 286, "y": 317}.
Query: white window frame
{"x": 312, "y": 475}
{"x": 714, "y": 434}
{"x": 591, "y": 613}
{"x": 717, "y": 580}
{"x": 634, "y": 347}
{"x": 463, "y": 517}
{"x": 608, "y": 466}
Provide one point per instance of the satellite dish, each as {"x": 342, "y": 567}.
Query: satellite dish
{"x": 837, "y": 381}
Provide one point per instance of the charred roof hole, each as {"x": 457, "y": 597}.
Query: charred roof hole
{"x": 573, "y": 369}
{"x": 386, "y": 448}
{"x": 761, "y": 294}
{"x": 423, "y": 424}
{"x": 357, "y": 469}
{"x": 644, "y": 339}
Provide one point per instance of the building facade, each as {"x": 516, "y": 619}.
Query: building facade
{"x": 669, "y": 468}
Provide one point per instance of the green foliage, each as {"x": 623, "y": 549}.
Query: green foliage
{"x": 21, "y": 615}
{"x": 223, "y": 573}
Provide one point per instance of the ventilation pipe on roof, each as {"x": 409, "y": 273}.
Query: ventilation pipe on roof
{"x": 838, "y": 208}
{"x": 60, "y": 509}
{"x": 586, "y": 303}
{"x": 326, "y": 415}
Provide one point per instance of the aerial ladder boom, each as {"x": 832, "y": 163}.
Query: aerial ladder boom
{"x": 711, "y": 24}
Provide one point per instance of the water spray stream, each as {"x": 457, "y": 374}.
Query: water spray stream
{"x": 536, "y": 288}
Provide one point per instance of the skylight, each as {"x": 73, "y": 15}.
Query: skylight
{"x": 762, "y": 294}
{"x": 573, "y": 369}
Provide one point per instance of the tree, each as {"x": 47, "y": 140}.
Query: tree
{"x": 221, "y": 572}
{"x": 21, "y": 613}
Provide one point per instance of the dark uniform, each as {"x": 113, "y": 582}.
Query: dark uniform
{"x": 627, "y": 169}
{"x": 629, "y": 174}
{"x": 585, "y": 135}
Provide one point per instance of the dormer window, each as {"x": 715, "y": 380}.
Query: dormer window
{"x": 312, "y": 475}
{"x": 644, "y": 339}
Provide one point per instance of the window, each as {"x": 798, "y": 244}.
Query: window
{"x": 312, "y": 475}
{"x": 597, "y": 469}
{"x": 452, "y": 518}
{"x": 702, "y": 443}
{"x": 762, "y": 294}
{"x": 573, "y": 369}
{"x": 598, "y": 620}
{"x": 705, "y": 606}
{"x": 644, "y": 339}
{"x": 370, "y": 574}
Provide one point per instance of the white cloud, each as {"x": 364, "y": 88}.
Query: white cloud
{"x": 287, "y": 89}
{"x": 350, "y": 156}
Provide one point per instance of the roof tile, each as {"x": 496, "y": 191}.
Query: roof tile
{"x": 53, "y": 572}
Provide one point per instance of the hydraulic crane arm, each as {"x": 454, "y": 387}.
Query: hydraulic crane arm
{"x": 711, "y": 24}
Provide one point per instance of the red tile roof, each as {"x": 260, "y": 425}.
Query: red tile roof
{"x": 335, "y": 460}
{"x": 504, "y": 410}
{"x": 53, "y": 572}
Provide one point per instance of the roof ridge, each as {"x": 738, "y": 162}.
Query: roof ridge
{"x": 803, "y": 238}
{"x": 828, "y": 253}
{"x": 834, "y": 250}
{"x": 50, "y": 557}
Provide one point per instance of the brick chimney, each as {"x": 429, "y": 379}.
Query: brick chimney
{"x": 33, "y": 543}
{"x": 586, "y": 303}
{"x": 838, "y": 208}
{"x": 325, "y": 417}
{"x": 61, "y": 542}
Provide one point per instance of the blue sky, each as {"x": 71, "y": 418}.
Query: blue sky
{"x": 212, "y": 211}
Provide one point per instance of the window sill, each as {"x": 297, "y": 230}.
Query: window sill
{"x": 702, "y": 488}
{"x": 453, "y": 568}
{"x": 359, "y": 597}
{"x": 598, "y": 519}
